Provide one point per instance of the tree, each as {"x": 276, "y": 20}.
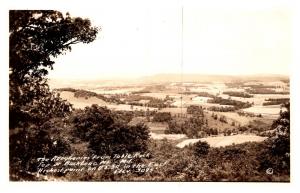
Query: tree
{"x": 35, "y": 38}
{"x": 174, "y": 127}
{"x": 282, "y": 124}
{"x": 162, "y": 117}
{"x": 233, "y": 153}
{"x": 195, "y": 110}
{"x": 120, "y": 139}
{"x": 91, "y": 120}
{"x": 201, "y": 148}
{"x": 223, "y": 119}
{"x": 281, "y": 144}
{"x": 232, "y": 123}
{"x": 216, "y": 117}
{"x": 36, "y": 142}
{"x": 105, "y": 134}
{"x": 277, "y": 155}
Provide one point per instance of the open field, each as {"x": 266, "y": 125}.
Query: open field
{"x": 81, "y": 102}
{"x": 257, "y": 99}
{"x": 221, "y": 126}
{"x": 243, "y": 120}
{"x": 157, "y": 128}
{"x": 177, "y": 97}
{"x": 222, "y": 141}
{"x": 174, "y": 111}
{"x": 162, "y": 95}
{"x": 167, "y": 136}
{"x": 115, "y": 91}
{"x": 268, "y": 111}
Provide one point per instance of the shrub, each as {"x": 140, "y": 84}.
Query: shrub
{"x": 90, "y": 120}
{"x": 201, "y": 148}
{"x": 162, "y": 117}
{"x": 236, "y": 104}
{"x": 238, "y": 94}
{"x": 29, "y": 144}
{"x": 105, "y": 134}
{"x": 120, "y": 139}
{"x": 195, "y": 110}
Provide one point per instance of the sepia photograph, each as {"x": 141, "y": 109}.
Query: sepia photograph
{"x": 173, "y": 92}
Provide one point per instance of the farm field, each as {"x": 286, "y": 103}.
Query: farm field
{"x": 222, "y": 141}
{"x": 268, "y": 111}
{"x": 176, "y": 98}
{"x": 81, "y": 102}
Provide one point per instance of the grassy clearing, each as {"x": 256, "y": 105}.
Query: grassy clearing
{"x": 222, "y": 141}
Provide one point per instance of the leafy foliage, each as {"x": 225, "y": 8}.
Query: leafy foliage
{"x": 236, "y": 104}
{"x": 282, "y": 124}
{"x": 90, "y": 120}
{"x": 201, "y": 148}
{"x": 105, "y": 134}
{"x": 35, "y": 38}
{"x": 35, "y": 142}
{"x": 238, "y": 94}
{"x": 190, "y": 126}
{"x": 276, "y": 101}
{"x": 195, "y": 110}
{"x": 264, "y": 90}
{"x": 277, "y": 154}
{"x": 162, "y": 117}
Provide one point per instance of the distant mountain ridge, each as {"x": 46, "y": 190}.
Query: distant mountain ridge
{"x": 211, "y": 78}
{"x": 164, "y": 78}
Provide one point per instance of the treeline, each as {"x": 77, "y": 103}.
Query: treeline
{"x": 134, "y": 99}
{"x": 248, "y": 114}
{"x": 259, "y": 86}
{"x": 238, "y": 94}
{"x": 236, "y": 105}
{"x": 195, "y": 110}
{"x": 258, "y": 90}
{"x": 140, "y": 92}
{"x": 157, "y": 103}
{"x": 222, "y": 109}
{"x": 221, "y": 118}
{"x": 194, "y": 126}
{"x": 277, "y": 101}
{"x": 188, "y": 92}
{"x": 201, "y": 94}
{"x": 155, "y": 88}
{"x": 205, "y": 94}
{"x": 234, "y": 84}
{"x": 162, "y": 117}
{"x": 131, "y": 99}
{"x": 80, "y": 93}
{"x": 149, "y": 89}
{"x": 190, "y": 126}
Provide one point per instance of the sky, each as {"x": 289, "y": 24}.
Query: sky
{"x": 213, "y": 37}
